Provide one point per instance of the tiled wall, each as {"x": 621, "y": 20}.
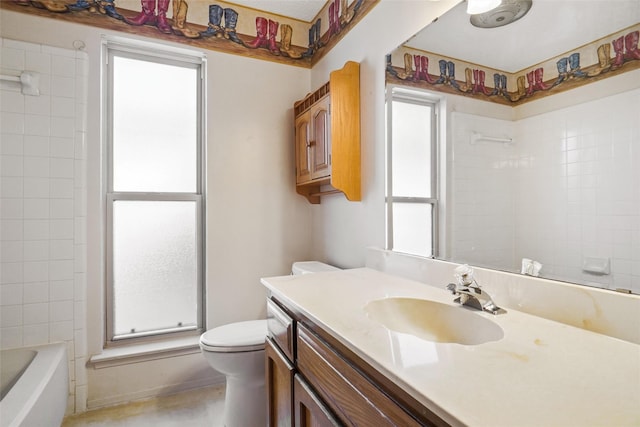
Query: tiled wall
{"x": 484, "y": 186}
{"x": 580, "y": 160}
{"x": 43, "y": 228}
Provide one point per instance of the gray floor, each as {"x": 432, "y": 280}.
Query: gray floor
{"x": 194, "y": 408}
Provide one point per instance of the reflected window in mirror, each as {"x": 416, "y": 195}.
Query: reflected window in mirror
{"x": 411, "y": 172}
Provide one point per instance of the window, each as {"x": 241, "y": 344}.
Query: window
{"x": 155, "y": 198}
{"x": 411, "y": 191}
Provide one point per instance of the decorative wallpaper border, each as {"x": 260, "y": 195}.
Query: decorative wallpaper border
{"x": 607, "y": 57}
{"x": 219, "y": 26}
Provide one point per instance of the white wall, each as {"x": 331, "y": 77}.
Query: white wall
{"x": 256, "y": 224}
{"x": 342, "y": 229}
{"x": 42, "y": 192}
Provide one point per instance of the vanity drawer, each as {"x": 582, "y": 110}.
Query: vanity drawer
{"x": 281, "y": 326}
{"x": 350, "y": 395}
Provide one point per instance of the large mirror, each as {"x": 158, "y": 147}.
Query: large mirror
{"x": 540, "y": 139}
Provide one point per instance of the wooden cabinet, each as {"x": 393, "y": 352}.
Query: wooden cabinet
{"x": 313, "y": 143}
{"x": 321, "y": 383}
{"x": 279, "y": 380}
{"x": 327, "y": 137}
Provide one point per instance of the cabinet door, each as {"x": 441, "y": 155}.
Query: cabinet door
{"x": 303, "y": 148}
{"x": 279, "y": 381}
{"x": 309, "y": 410}
{"x": 321, "y": 139}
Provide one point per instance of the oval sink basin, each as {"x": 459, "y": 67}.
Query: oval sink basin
{"x": 433, "y": 321}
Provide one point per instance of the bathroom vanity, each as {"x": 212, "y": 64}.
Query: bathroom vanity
{"x": 357, "y": 347}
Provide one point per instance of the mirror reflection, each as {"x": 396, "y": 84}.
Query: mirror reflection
{"x": 538, "y": 139}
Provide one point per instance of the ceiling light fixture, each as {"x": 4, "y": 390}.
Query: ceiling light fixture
{"x": 475, "y": 7}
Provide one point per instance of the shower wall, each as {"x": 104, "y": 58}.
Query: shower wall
{"x": 43, "y": 198}
{"x": 564, "y": 193}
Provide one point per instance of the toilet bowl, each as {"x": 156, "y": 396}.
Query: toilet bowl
{"x": 237, "y": 351}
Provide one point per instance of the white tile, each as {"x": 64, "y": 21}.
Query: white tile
{"x": 63, "y": 86}
{"x": 11, "y": 294}
{"x": 36, "y": 208}
{"x": 62, "y": 147}
{"x": 80, "y": 341}
{"x": 37, "y": 105}
{"x": 61, "y": 331}
{"x": 36, "y": 145}
{"x": 36, "y": 313}
{"x": 11, "y": 187}
{"x": 80, "y": 286}
{"x": 12, "y": 59}
{"x": 36, "y": 271}
{"x": 11, "y": 209}
{"x": 36, "y": 250}
{"x": 82, "y": 395}
{"x": 53, "y": 50}
{"x": 61, "y": 290}
{"x": 35, "y": 187}
{"x": 63, "y": 107}
{"x": 80, "y": 258}
{"x": 63, "y": 127}
{"x": 12, "y": 272}
{"x": 61, "y": 208}
{"x": 80, "y": 203}
{"x": 37, "y": 125}
{"x": 11, "y": 315}
{"x": 80, "y": 146}
{"x": 11, "y": 166}
{"x": 11, "y": 251}
{"x": 61, "y": 168}
{"x": 11, "y": 229}
{"x": 11, "y": 144}
{"x": 38, "y": 61}
{"x": 36, "y": 167}
{"x": 80, "y": 236}
{"x": 36, "y": 229}
{"x": 36, "y": 292}
{"x": 45, "y": 84}
{"x": 61, "y": 188}
{"x": 12, "y": 123}
{"x": 22, "y": 45}
{"x": 61, "y": 249}
{"x": 61, "y": 229}
{"x": 63, "y": 66}
{"x": 35, "y": 334}
{"x": 10, "y": 337}
{"x": 80, "y": 173}
{"x": 12, "y": 102}
{"x": 60, "y": 311}
{"x": 61, "y": 270}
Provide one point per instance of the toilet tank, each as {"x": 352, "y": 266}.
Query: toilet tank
{"x": 308, "y": 267}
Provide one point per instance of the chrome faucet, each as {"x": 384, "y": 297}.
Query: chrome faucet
{"x": 469, "y": 291}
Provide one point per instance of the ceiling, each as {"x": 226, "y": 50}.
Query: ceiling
{"x": 551, "y": 28}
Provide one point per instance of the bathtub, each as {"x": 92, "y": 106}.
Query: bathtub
{"x": 35, "y": 386}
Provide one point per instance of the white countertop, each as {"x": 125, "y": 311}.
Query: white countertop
{"x": 542, "y": 373}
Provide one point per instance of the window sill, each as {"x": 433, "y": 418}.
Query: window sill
{"x": 136, "y": 353}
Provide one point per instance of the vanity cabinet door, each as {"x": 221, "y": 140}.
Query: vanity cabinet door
{"x": 279, "y": 382}
{"x": 354, "y": 399}
{"x": 309, "y": 409}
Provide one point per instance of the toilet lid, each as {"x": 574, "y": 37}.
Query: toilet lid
{"x": 235, "y": 337}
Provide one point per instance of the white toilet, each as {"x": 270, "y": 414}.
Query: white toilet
{"x": 237, "y": 351}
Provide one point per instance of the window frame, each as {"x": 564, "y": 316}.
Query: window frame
{"x": 407, "y": 95}
{"x": 152, "y": 52}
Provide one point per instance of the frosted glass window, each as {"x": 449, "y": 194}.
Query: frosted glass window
{"x": 155, "y": 126}
{"x": 155, "y": 200}
{"x": 155, "y": 270}
{"x": 411, "y": 154}
{"x": 412, "y": 228}
{"x": 411, "y": 187}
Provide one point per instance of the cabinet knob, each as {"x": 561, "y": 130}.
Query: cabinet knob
{"x": 311, "y": 144}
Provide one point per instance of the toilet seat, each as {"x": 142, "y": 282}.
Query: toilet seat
{"x": 235, "y": 337}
